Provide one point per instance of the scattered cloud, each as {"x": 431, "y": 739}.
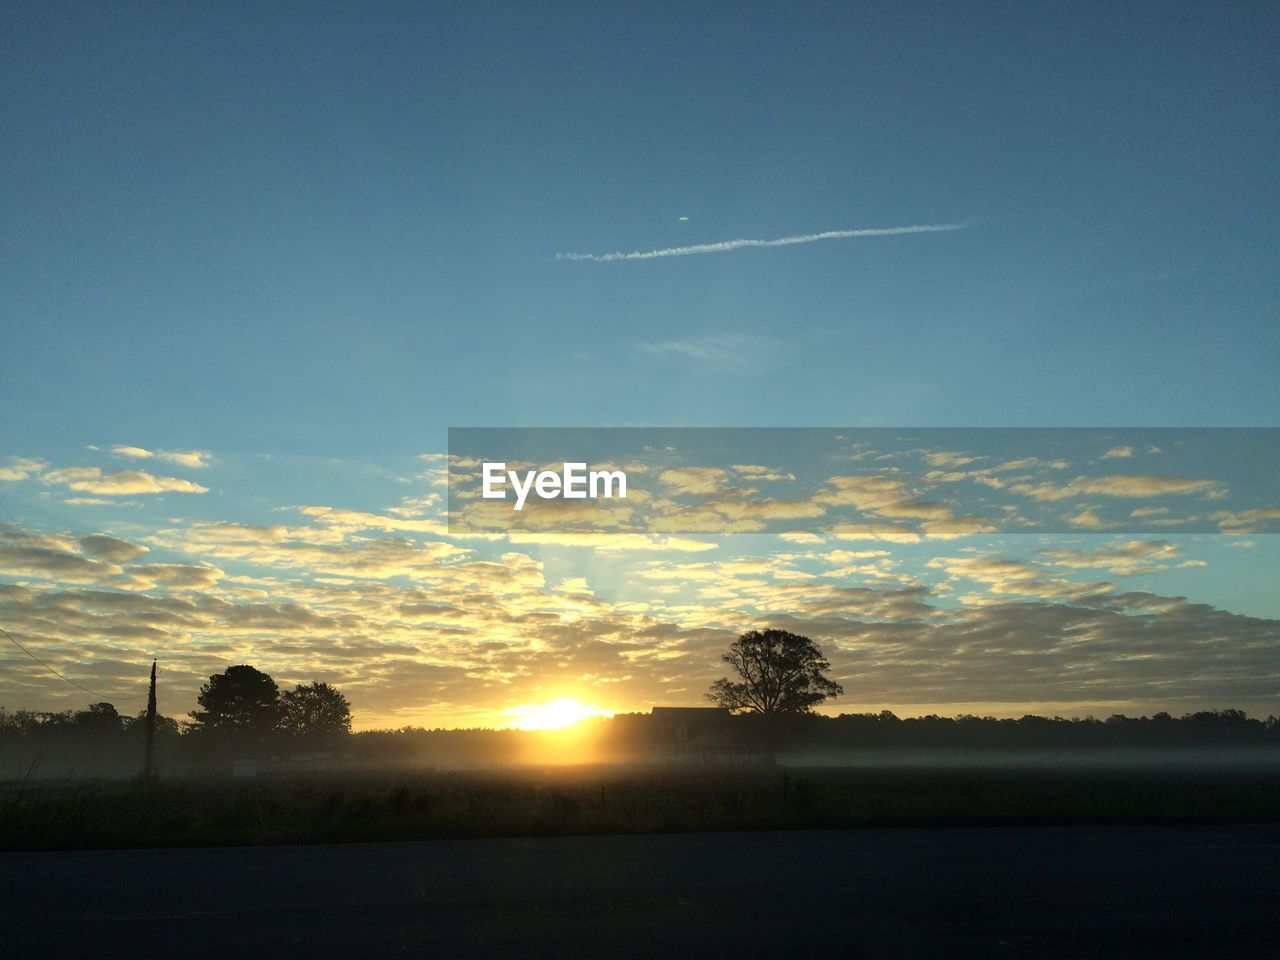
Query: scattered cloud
{"x": 1088, "y": 519}
{"x": 1120, "y": 486}
{"x": 174, "y": 576}
{"x": 760, "y": 474}
{"x": 136, "y": 453}
{"x": 694, "y": 480}
{"x": 118, "y": 483}
{"x": 801, "y": 537}
{"x": 20, "y": 468}
{"x": 1246, "y": 521}
{"x": 612, "y": 542}
{"x": 949, "y": 458}
{"x": 111, "y": 549}
{"x": 1120, "y": 559}
{"x": 196, "y": 459}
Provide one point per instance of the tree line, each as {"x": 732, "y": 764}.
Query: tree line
{"x": 779, "y": 677}
{"x": 242, "y": 711}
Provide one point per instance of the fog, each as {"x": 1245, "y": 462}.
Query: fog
{"x": 1232, "y": 757}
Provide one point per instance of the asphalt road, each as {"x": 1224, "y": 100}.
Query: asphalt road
{"x": 915, "y": 893}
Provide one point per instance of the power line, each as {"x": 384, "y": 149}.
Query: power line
{"x": 54, "y": 671}
{"x": 14, "y": 640}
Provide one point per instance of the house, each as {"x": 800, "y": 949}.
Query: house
{"x": 698, "y": 735}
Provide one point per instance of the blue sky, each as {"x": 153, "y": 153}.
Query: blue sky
{"x": 305, "y": 239}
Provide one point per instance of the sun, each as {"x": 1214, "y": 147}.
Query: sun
{"x": 555, "y": 715}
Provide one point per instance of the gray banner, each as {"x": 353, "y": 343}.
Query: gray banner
{"x": 902, "y": 484}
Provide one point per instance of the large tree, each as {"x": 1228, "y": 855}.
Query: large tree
{"x": 316, "y": 713}
{"x": 100, "y": 718}
{"x": 779, "y": 674}
{"x": 239, "y": 700}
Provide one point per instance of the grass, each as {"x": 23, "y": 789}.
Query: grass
{"x": 422, "y": 805}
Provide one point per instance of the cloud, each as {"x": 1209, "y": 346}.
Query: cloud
{"x": 119, "y": 483}
{"x": 757, "y": 473}
{"x": 358, "y": 520}
{"x": 949, "y": 458}
{"x": 1088, "y": 519}
{"x": 195, "y": 459}
{"x": 765, "y": 509}
{"x": 868, "y": 492}
{"x": 888, "y": 532}
{"x": 891, "y": 499}
{"x": 1247, "y": 521}
{"x": 693, "y": 480}
{"x": 1120, "y": 486}
{"x": 136, "y": 453}
{"x": 314, "y": 550}
{"x": 20, "y": 468}
{"x": 951, "y": 527}
{"x": 1121, "y": 559}
{"x": 611, "y": 542}
{"x": 704, "y": 519}
{"x": 984, "y": 569}
{"x": 110, "y": 549}
{"x": 738, "y": 352}
{"x": 23, "y": 560}
{"x": 723, "y": 246}
{"x": 174, "y": 576}
{"x": 801, "y": 537}
{"x": 1118, "y": 453}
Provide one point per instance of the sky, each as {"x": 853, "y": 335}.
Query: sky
{"x": 258, "y": 259}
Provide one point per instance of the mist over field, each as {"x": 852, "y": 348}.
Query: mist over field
{"x": 1189, "y": 760}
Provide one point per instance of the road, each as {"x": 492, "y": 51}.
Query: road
{"x": 915, "y": 893}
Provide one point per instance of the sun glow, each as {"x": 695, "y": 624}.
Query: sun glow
{"x": 555, "y": 715}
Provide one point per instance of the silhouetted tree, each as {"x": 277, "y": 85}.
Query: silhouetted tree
{"x": 780, "y": 674}
{"x": 241, "y": 701}
{"x": 100, "y": 718}
{"x": 166, "y": 727}
{"x": 315, "y": 713}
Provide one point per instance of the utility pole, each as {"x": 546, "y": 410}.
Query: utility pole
{"x": 151, "y": 724}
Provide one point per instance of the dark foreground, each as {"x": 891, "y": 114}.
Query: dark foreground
{"x": 1039, "y": 892}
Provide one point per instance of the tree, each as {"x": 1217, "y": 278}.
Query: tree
{"x": 100, "y": 718}
{"x": 240, "y": 700}
{"x": 780, "y": 674}
{"x": 315, "y": 712}
{"x": 166, "y": 727}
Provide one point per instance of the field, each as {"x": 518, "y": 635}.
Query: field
{"x": 424, "y": 805}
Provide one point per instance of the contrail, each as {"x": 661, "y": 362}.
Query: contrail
{"x": 724, "y": 245}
